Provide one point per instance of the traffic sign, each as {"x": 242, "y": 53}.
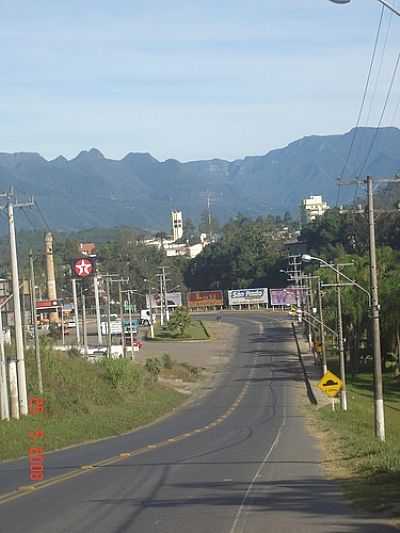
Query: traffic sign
{"x": 83, "y": 267}
{"x": 330, "y": 384}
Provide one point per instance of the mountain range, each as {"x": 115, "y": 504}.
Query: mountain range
{"x": 92, "y": 190}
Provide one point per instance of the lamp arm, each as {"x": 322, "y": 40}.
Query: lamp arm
{"x": 346, "y": 277}
{"x": 389, "y": 6}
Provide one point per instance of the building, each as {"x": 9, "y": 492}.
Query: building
{"x": 177, "y": 225}
{"x": 312, "y": 208}
{"x": 88, "y": 249}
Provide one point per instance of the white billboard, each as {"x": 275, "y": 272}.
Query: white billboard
{"x": 248, "y": 296}
{"x": 174, "y": 299}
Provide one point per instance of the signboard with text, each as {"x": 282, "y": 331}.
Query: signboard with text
{"x": 205, "y": 299}
{"x": 285, "y": 297}
{"x": 174, "y": 299}
{"x": 248, "y": 296}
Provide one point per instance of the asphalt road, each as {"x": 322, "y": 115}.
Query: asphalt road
{"x": 236, "y": 460}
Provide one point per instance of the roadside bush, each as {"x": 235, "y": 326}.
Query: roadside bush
{"x": 122, "y": 374}
{"x": 153, "y": 367}
{"x": 167, "y": 361}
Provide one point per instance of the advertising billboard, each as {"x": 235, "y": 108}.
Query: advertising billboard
{"x": 174, "y": 299}
{"x": 248, "y": 296}
{"x": 285, "y": 297}
{"x": 205, "y": 298}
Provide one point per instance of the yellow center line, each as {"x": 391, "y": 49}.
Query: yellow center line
{"x": 24, "y": 490}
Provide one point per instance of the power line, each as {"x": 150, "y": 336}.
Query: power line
{"x": 379, "y": 71}
{"x": 363, "y": 100}
{"x": 377, "y": 129}
{"x": 43, "y": 218}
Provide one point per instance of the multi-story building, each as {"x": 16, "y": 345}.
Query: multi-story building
{"x": 312, "y": 208}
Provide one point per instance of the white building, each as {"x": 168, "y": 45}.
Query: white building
{"x": 312, "y": 208}
{"x": 177, "y": 225}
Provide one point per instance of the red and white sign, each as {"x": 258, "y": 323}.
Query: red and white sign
{"x": 48, "y": 304}
{"x": 83, "y": 267}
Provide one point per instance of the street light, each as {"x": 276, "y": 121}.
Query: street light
{"x": 378, "y": 384}
{"x": 383, "y": 2}
{"x": 309, "y": 258}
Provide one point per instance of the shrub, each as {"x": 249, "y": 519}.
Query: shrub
{"x": 153, "y": 367}
{"x": 167, "y": 361}
{"x": 122, "y": 374}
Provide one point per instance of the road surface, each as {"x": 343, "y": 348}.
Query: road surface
{"x": 236, "y": 460}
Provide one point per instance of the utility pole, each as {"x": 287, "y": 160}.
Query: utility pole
{"x": 130, "y": 320}
{"x": 84, "y": 324}
{"x": 165, "y": 295}
{"x": 150, "y": 296}
{"x": 121, "y": 313}
{"x": 378, "y": 385}
{"x": 98, "y": 316}
{"x": 322, "y": 330}
{"x": 109, "y": 343}
{"x": 23, "y": 395}
{"x": 76, "y": 312}
{"x": 35, "y": 328}
{"x": 5, "y": 408}
{"x": 343, "y": 392}
{"x": 14, "y": 396}
{"x": 161, "y": 300}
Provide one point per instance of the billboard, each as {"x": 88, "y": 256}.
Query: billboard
{"x": 205, "y": 298}
{"x": 248, "y": 296}
{"x": 174, "y": 299}
{"x": 285, "y": 297}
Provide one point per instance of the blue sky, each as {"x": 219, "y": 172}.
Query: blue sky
{"x": 185, "y": 80}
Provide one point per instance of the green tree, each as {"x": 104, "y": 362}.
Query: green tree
{"x": 180, "y": 320}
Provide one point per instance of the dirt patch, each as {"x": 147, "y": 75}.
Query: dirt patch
{"x": 208, "y": 354}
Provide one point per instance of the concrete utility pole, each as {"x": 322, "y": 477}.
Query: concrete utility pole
{"x": 161, "y": 300}
{"x": 109, "y": 339}
{"x": 14, "y": 396}
{"x": 98, "y": 316}
{"x": 121, "y": 314}
{"x": 84, "y": 323}
{"x": 165, "y": 295}
{"x": 34, "y": 321}
{"x": 378, "y": 385}
{"x": 343, "y": 392}
{"x": 23, "y": 395}
{"x": 150, "y": 296}
{"x": 322, "y": 330}
{"x": 5, "y": 408}
{"x": 76, "y": 312}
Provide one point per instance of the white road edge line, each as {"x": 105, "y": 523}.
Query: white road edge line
{"x": 267, "y": 456}
{"x": 263, "y": 463}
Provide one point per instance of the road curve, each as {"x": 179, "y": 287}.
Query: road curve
{"x": 237, "y": 460}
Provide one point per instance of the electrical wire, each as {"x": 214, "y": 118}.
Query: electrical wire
{"x": 24, "y": 211}
{"x": 363, "y": 100}
{"x": 379, "y": 71}
{"x": 377, "y": 129}
{"x": 43, "y": 218}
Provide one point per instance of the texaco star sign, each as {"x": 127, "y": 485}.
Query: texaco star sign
{"x": 83, "y": 268}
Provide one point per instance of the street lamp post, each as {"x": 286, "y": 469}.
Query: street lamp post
{"x": 373, "y": 307}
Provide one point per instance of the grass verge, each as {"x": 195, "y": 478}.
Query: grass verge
{"x": 370, "y": 470}
{"x": 86, "y": 401}
{"x": 196, "y": 331}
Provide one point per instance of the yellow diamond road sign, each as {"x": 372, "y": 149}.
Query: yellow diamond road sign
{"x": 330, "y": 384}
